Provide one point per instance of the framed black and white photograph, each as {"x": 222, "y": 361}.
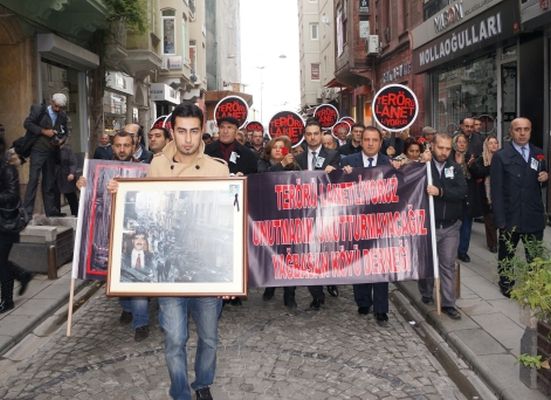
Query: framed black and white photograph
{"x": 178, "y": 237}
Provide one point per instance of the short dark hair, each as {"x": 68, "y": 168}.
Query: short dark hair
{"x": 123, "y": 133}
{"x": 411, "y": 141}
{"x": 373, "y": 128}
{"x": 358, "y": 125}
{"x": 166, "y": 133}
{"x": 186, "y": 110}
{"x": 312, "y": 122}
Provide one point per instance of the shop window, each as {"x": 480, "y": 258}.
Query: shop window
{"x": 467, "y": 91}
{"x": 168, "y": 23}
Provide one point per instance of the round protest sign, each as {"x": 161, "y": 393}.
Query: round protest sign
{"x": 232, "y": 107}
{"x": 287, "y": 123}
{"x": 327, "y": 115}
{"x": 395, "y": 107}
{"x": 254, "y": 126}
{"x": 341, "y": 125}
{"x": 350, "y": 120}
{"x": 159, "y": 122}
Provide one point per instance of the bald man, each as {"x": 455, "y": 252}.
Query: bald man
{"x": 518, "y": 172}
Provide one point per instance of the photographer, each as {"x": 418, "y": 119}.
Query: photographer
{"x": 49, "y": 124}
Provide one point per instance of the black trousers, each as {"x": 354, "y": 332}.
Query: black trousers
{"x": 372, "y": 294}
{"x": 42, "y": 163}
{"x": 8, "y": 271}
{"x": 507, "y": 245}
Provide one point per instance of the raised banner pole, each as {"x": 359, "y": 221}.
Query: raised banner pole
{"x": 76, "y": 250}
{"x": 435, "y": 269}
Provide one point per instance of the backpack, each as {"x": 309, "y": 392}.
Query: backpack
{"x": 25, "y": 143}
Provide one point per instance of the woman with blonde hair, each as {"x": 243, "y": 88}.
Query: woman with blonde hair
{"x": 480, "y": 170}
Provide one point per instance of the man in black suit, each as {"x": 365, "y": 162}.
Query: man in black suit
{"x": 370, "y": 294}
{"x": 317, "y": 157}
{"x": 241, "y": 160}
{"x": 49, "y": 123}
{"x": 354, "y": 145}
{"x": 517, "y": 174}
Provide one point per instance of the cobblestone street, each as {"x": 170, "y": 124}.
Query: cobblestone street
{"x": 265, "y": 353}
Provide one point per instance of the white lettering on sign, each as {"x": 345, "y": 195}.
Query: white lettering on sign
{"x": 398, "y": 72}
{"x": 486, "y": 29}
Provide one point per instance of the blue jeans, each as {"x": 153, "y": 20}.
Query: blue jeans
{"x": 139, "y": 307}
{"x": 173, "y": 318}
{"x": 465, "y": 234}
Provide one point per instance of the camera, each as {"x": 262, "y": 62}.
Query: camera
{"x": 59, "y": 137}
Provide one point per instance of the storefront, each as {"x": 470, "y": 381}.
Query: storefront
{"x": 536, "y": 21}
{"x": 470, "y": 53}
{"x": 62, "y": 68}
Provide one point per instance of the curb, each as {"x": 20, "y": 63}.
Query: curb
{"x": 54, "y": 315}
{"x": 467, "y": 380}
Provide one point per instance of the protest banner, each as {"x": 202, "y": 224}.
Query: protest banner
{"x": 310, "y": 228}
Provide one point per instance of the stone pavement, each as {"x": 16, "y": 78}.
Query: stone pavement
{"x": 488, "y": 337}
{"x": 265, "y": 353}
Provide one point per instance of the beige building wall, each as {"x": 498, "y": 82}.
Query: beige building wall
{"x": 197, "y": 34}
{"x": 309, "y": 50}
{"x": 327, "y": 46}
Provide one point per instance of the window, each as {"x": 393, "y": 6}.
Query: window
{"x": 314, "y": 31}
{"x": 315, "y": 72}
{"x": 168, "y": 20}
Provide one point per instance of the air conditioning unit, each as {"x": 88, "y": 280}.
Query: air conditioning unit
{"x": 372, "y": 45}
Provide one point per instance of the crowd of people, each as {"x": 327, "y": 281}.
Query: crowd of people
{"x": 472, "y": 178}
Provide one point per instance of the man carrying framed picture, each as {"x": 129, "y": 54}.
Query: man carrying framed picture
{"x": 184, "y": 157}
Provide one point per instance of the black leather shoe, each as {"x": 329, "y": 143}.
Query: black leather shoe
{"x": 291, "y": 304}
{"x": 464, "y": 257}
{"x": 268, "y": 294}
{"x": 6, "y": 306}
{"x": 125, "y": 318}
{"x": 381, "y": 319}
{"x": 141, "y": 333}
{"x": 203, "y": 394}
{"x": 427, "y": 300}
{"x": 27, "y": 277}
{"x": 493, "y": 249}
{"x": 506, "y": 291}
{"x": 316, "y": 304}
{"x": 236, "y": 302}
{"x": 333, "y": 291}
{"x": 451, "y": 312}
{"x": 363, "y": 310}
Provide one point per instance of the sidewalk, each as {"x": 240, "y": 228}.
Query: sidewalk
{"x": 41, "y": 301}
{"x": 488, "y": 336}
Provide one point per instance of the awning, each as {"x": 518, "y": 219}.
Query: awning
{"x": 334, "y": 83}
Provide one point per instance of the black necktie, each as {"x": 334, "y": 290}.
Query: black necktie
{"x": 370, "y": 159}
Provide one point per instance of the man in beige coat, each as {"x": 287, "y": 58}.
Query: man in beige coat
{"x": 184, "y": 157}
